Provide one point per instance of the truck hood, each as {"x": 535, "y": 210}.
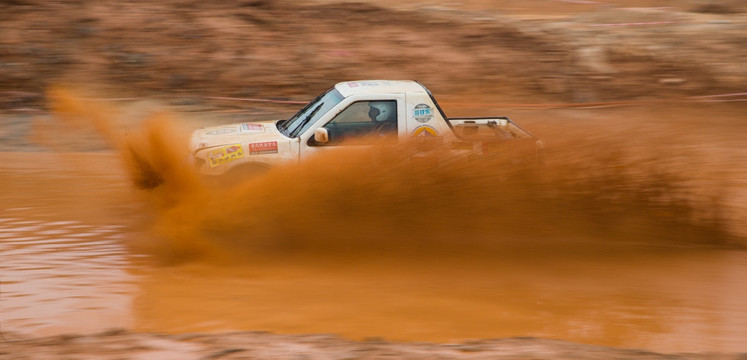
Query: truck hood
{"x": 235, "y": 133}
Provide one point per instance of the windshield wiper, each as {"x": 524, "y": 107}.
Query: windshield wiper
{"x": 306, "y": 120}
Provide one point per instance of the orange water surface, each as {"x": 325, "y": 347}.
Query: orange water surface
{"x": 630, "y": 235}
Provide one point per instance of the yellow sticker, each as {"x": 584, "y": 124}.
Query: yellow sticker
{"x": 425, "y": 130}
{"x": 225, "y": 154}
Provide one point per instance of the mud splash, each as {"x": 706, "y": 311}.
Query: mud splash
{"x": 617, "y": 240}
{"x": 152, "y": 150}
{"x": 386, "y": 203}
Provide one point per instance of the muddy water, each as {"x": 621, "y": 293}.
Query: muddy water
{"x": 606, "y": 245}
{"x": 62, "y": 276}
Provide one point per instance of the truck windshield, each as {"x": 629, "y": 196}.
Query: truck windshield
{"x": 310, "y": 113}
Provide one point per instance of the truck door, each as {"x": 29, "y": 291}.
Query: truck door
{"x": 359, "y": 121}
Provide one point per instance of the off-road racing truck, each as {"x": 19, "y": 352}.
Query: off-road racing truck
{"x": 349, "y": 114}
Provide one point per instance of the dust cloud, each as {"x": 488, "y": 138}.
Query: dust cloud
{"x": 395, "y": 202}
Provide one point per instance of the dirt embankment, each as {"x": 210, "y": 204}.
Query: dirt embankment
{"x": 282, "y": 49}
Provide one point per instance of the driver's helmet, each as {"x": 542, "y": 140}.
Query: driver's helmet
{"x": 381, "y": 111}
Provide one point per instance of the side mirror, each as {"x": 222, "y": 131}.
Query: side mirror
{"x": 321, "y": 135}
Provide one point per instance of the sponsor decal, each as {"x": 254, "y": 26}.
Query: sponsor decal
{"x": 422, "y": 113}
{"x": 425, "y": 130}
{"x": 251, "y": 128}
{"x": 268, "y": 147}
{"x": 222, "y": 131}
{"x": 225, "y": 154}
{"x": 461, "y": 145}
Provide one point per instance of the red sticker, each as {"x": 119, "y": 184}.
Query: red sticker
{"x": 251, "y": 127}
{"x": 269, "y": 147}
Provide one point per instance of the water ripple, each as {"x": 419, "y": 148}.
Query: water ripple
{"x": 54, "y": 268}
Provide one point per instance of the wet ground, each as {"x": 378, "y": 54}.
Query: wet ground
{"x": 85, "y": 251}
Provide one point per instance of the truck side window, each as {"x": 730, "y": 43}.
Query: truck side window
{"x": 364, "y": 119}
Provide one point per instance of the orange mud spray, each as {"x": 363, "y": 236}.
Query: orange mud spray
{"x": 362, "y": 242}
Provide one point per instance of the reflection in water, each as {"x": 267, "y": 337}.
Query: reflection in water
{"x": 61, "y": 276}
{"x": 604, "y": 244}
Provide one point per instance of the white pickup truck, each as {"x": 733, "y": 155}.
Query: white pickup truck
{"x": 347, "y": 115}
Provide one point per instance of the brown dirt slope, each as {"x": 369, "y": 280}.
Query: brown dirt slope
{"x": 279, "y": 48}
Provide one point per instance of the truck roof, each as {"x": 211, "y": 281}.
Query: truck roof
{"x": 348, "y": 88}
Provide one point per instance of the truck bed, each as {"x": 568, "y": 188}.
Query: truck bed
{"x": 487, "y": 129}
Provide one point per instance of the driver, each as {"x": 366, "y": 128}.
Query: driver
{"x": 383, "y": 114}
